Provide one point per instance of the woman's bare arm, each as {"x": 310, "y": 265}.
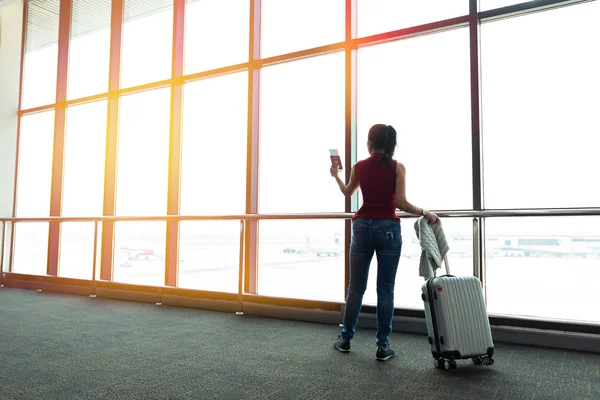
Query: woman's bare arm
{"x": 349, "y": 189}
{"x": 402, "y": 203}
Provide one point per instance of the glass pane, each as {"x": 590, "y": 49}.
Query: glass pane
{"x": 378, "y": 16}
{"x": 30, "y": 255}
{"x": 216, "y": 34}
{"x": 215, "y": 125}
{"x": 89, "y": 50}
{"x": 546, "y": 80}
{"x": 491, "y": 4}
{"x": 209, "y": 255}
{"x": 143, "y": 154}
{"x": 302, "y": 117}
{"x": 407, "y": 293}
{"x": 83, "y": 171}
{"x": 76, "y": 259}
{"x": 147, "y": 48}
{"x": 301, "y": 259}
{"x": 421, "y": 87}
{"x": 139, "y": 256}
{"x": 293, "y": 25}
{"x": 34, "y": 182}
{"x": 41, "y": 53}
{"x": 539, "y": 267}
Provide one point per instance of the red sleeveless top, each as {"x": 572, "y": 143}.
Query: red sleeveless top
{"x": 377, "y": 181}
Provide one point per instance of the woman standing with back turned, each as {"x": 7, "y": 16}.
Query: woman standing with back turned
{"x": 376, "y": 229}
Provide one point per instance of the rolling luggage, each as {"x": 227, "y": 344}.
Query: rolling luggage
{"x": 457, "y": 321}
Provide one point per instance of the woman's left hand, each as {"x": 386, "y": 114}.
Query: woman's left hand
{"x": 334, "y": 171}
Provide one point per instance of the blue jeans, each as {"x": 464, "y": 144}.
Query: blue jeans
{"x": 383, "y": 237}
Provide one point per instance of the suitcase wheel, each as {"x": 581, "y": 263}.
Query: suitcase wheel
{"x": 449, "y": 364}
{"x": 485, "y": 360}
{"x": 445, "y": 364}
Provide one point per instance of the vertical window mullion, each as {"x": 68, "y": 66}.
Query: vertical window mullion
{"x": 112, "y": 127}
{"x": 64, "y": 37}
{"x": 174, "y": 186}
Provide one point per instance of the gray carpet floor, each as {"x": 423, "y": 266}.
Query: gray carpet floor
{"x": 69, "y": 347}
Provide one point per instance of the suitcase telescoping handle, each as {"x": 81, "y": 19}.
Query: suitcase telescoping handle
{"x": 447, "y": 265}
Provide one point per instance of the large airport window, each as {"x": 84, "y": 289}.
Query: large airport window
{"x": 142, "y": 180}
{"x": 302, "y": 259}
{"x": 421, "y": 87}
{"x": 41, "y": 53}
{"x": 213, "y": 147}
{"x": 540, "y": 99}
{"x": 147, "y": 48}
{"x": 216, "y": 34}
{"x": 294, "y": 25}
{"x": 83, "y": 186}
{"x": 89, "y": 49}
{"x": 30, "y": 254}
{"x": 139, "y": 253}
{"x": 378, "y": 16}
{"x": 538, "y": 270}
{"x": 302, "y": 117}
{"x": 213, "y": 180}
{"x": 209, "y": 256}
{"x": 143, "y": 153}
{"x": 34, "y": 182}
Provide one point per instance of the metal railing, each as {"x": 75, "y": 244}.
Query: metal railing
{"x": 478, "y": 254}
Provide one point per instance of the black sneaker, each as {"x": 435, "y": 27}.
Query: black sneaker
{"x": 342, "y": 344}
{"x": 384, "y": 353}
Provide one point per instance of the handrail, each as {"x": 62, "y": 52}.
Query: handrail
{"x": 550, "y": 212}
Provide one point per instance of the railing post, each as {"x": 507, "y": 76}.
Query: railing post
{"x": 241, "y": 267}
{"x": 95, "y": 258}
{"x": 3, "y": 234}
{"x": 252, "y": 148}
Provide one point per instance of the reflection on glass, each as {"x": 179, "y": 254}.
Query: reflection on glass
{"x": 30, "y": 255}
{"x": 301, "y": 259}
{"x": 302, "y": 117}
{"x": 147, "y": 47}
{"x": 83, "y": 170}
{"x": 540, "y": 100}
{"x": 143, "y": 154}
{"x": 139, "y": 255}
{"x": 41, "y": 53}
{"x": 421, "y": 87}
{"x": 537, "y": 267}
{"x": 407, "y": 293}
{"x": 288, "y": 26}
{"x": 34, "y": 181}
{"x": 76, "y": 258}
{"x": 378, "y": 16}
{"x": 89, "y": 50}
{"x": 209, "y": 255}
{"x": 216, "y": 34}
{"x": 214, "y": 143}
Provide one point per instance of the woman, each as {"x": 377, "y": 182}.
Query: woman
{"x": 376, "y": 229}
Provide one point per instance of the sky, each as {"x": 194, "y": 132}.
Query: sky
{"x": 539, "y": 100}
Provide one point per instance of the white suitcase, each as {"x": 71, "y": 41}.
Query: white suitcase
{"x": 457, "y": 321}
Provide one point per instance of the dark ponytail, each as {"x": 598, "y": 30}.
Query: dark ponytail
{"x": 390, "y": 144}
{"x": 383, "y": 139}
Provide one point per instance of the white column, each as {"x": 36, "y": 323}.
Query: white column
{"x": 11, "y": 24}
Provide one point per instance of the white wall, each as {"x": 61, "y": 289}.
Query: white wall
{"x": 11, "y": 23}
